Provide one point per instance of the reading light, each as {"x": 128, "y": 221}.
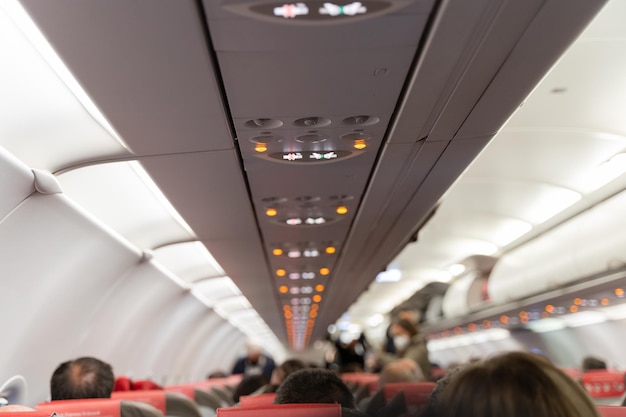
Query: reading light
{"x": 324, "y": 271}
{"x": 294, "y": 253}
{"x": 360, "y": 144}
{"x": 277, "y": 251}
{"x": 260, "y": 147}
{"x": 319, "y": 288}
{"x": 342, "y": 210}
{"x": 330, "y": 250}
{"x": 281, "y": 272}
{"x": 283, "y": 289}
{"x": 271, "y": 212}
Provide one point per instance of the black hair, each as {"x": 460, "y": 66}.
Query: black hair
{"x": 82, "y": 378}
{"x": 314, "y": 386}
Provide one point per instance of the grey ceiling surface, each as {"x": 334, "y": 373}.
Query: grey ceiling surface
{"x": 182, "y": 80}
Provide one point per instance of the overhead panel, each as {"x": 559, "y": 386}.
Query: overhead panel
{"x": 311, "y": 95}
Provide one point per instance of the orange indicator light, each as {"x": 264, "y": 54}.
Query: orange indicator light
{"x": 324, "y": 271}
{"x": 577, "y": 301}
{"x": 260, "y": 147}
{"x": 619, "y": 292}
{"x": 330, "y": 250}
{"x": 573, "y": 309}
{"x": 315, "y": 307}
{"x": 486, "y": 324}
{"x": 281, "y": 272}
{"x": 360, "y": 144}
{"x": 271, "y": 212}
{"x": 317, "y": 298}
{"x": 504, "y": 319}
{"x": 319, "y": 288}
{"x": 283, "y": 289}
{"x": 342, "y": 210}
{"x": 550, "y": 308}
{"x": 605, "y": 302}
{"x": 288, "y": 314}
{"x": 277, "y": 251}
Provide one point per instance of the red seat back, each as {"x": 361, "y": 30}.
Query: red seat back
{"x": 145, "y": 385}
{"x": 362, "y": 378}
{"x": 100, "y": 407}
{"x": 603, "y": 383}
{"x": 155, "y": 398}
{"x": 123, "y": 383}
{"x": 416, "y": 394}
{"x": 572, "y": 373}
{"x": 255, "y": 400}
{"x": 189, "y": 390}
{"x": 283, "y": 410}
{"x": 35, "y": 413}
{"x": 611, "y": 411}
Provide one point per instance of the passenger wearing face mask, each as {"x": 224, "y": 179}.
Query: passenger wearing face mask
{"x": 409, "y": 344}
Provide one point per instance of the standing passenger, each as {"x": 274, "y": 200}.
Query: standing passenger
{"x": 409, "y": 344}
{"x": 254, "y": 363}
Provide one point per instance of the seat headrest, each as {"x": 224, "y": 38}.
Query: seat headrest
{"x": 611, "y": 411}
{"x": 254, "y": 400}
{"x": 603, "y": 383}
{"x": 155, "y": 398}
{"x": 283, "y": 410}
{"x": 91, "y": 407}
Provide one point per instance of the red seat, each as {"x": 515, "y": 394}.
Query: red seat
{"x": 362, "y": 378}
{"x": 611, "y": 411}
{"x": 35, "y": 413}
{"x": 603, "y": 383}
{"x": 416, "y": 395}
{"x": 572, "y": 373}
{"x": 104, "y": 407}
{"x": 145, "y": 385}
{"x": 189, "y": 390}
{"x": 123, "y": 383}
{"x": 254, "y": 400}
{"x": 155, "y": 398}
{"x": 100, "y": 407}
{"x": 283, "y": 410}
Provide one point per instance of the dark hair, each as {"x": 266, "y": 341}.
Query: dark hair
{"x": 314, "y": 386}
{"x": 590, "y": 363}
{"x": 248, "y": 385}
{"x": 82, "y": 378}
{"x": 515, "y": 384}
{"x": 407, "y": 325}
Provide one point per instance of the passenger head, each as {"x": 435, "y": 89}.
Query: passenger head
{"x": 82, "y": 378}
{"x": 401, "y": 370}
{"x": 253, "y": 351}
{"x": 248, "y": 385}
{"x": 591, "y": 363}
{"x": 314, "y": 386}
{"x": 515, "y": 384}
{"x": 402, "y": 331}
{"x": 216, "y": 374}
{"x": 408, "y": 314}
{"x": 285, "y": 369}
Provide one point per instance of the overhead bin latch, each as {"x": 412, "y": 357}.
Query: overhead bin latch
{"x": 46, "y": 183}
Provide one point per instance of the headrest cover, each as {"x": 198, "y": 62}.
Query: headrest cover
{"x": 92, "y": 407}
{"x": 187, "y": 389}
{"x": 602, "y": 383}
{"x": 254, "y": 400}
{"x": 283, "y": 410}
{"x": 155, "y": 398}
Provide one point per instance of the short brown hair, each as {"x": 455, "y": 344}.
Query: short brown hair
{"x": 515, "y": 384}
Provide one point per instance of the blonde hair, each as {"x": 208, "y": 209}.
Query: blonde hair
{"x": 515, "y": 384}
